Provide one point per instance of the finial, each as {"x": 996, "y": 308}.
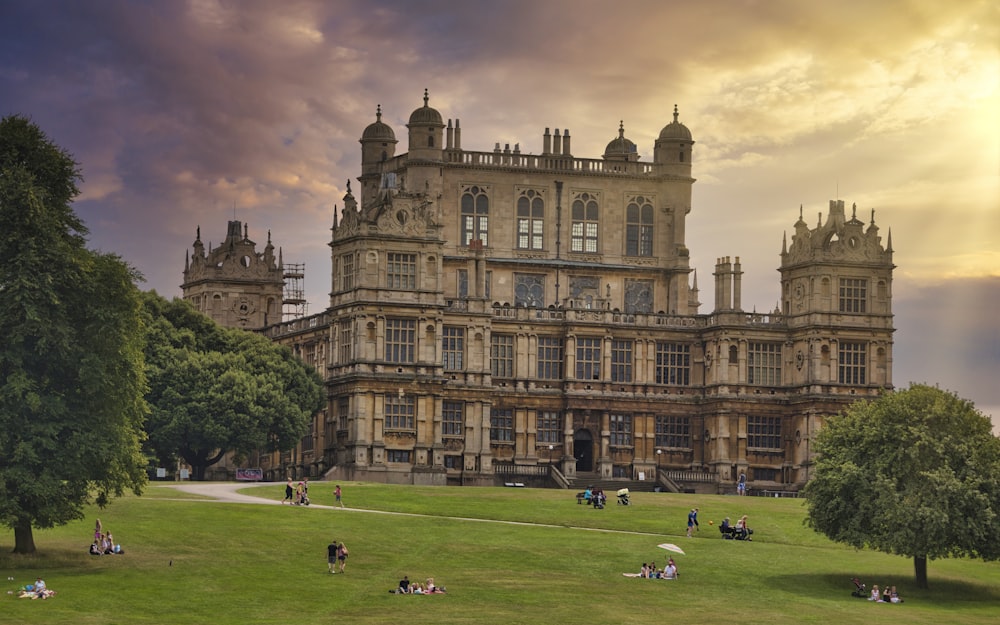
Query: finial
{"x": 348, "y": 185}
{"x": 378, "y": 113}
{"x": 675, "y": 113}
{"x": 197, "y": 235}
{"x": 800, "y": 212}
{"x": 268, "y": 236}
{"x": 425, "y": 97}
{"x": 873, "y": 216}
{"x": 854, "y": 211}
{"x": 621, "y": 129}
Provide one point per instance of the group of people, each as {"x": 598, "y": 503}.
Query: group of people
{"x": 38, "y": 590}
{"x": 888, "y": 594}
{"x": 595, "y": 497}
{"x": 740, "y": 531}
{"x": 297, "y": 495}
{"x": 406, "y": 587}
{"x": 104, "y": 542}
{"x": 336, "y": 555}
{"x": 651, "y": 572}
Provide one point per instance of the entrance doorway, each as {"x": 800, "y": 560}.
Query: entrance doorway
{"x": 583, "y": 451}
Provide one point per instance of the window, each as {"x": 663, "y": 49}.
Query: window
{"x": 502, "y": 425}
{"x": 399, "y": 412}
{"x": 621, "y": 361}
{"x": 673, "y": 364}
{"x": 453, "y": 462}
{"x": 764, "y": 364}
{"x": 452, "y": 418}
{"x": 853, "y": 295}
{"x": 550, "y": 358}
{"x": 530, "y": 214}
{"x": 397, "y": 455}
{"x": 549, "y": 427}
{"x": 852, "y": 362}
{"x": 621, "y": 430}
{"x": 400, "y": 339}
{"x": 489, "y": 281}
{"x": 502, "y": 355}
{"x": 463, "y": 283}
{"x": 401, "y": 271}
{"x": 588, "y": 358}
{"x": 529, "y": 290}
{"x": 765, "y": 474}
{"x": 343, "y": 405}
{"x": 475, "y": 215}
{"x": 453, "y": 348}
{"x": 583, "y": 232}
{"x": 346, "y": 346}
{"x": 673, "y": 431}
{"x": 347, "y": 272}
{"x": 763, "y": 432}
{"x": 639, "y": 227}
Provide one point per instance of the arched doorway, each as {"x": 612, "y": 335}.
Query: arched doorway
{"x": 583, "y": 451}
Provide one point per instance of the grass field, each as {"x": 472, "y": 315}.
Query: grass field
{"x": 506, "y": 556}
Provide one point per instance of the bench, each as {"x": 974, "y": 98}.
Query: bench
{"x": 581, "y": 498}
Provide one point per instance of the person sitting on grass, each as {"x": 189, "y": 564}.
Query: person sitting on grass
{"x": 404, "y": 585}
{"x": 95, "y": 549}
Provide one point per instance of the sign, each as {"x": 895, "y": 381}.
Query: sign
{"x": 250, "y": 475}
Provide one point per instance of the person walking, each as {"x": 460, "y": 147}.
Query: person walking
{"x": 337, "y": 494}
{"x": 693, "y": 521}
{"x": 289, "y": 493}
{"x": 342, "y": 556}
{"x": 331, "y": 555}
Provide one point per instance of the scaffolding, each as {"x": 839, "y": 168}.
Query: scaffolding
{"x": 293, "y": 303}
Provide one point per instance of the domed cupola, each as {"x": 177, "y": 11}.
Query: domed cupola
{"x": 426, "y": 132}
{"x": 621, "y": 148}
{"x": 673, "y": 147}
{"x": 378, "y": 143}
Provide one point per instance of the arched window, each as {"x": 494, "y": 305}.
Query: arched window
{"x": 530, "y": 220}
{"x": 583, "y": 233}
{"x": 475, "y": 215}
{"x": 639, "y": 227}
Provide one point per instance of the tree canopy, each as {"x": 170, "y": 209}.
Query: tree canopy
{"x": 215, "y": 390}
{"x": 71, "y": 369}
{"x": 913, "y": 473}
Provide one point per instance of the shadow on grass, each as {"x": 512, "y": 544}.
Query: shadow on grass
{"x": 942, "y": 591}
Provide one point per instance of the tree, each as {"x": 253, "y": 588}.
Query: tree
{"x": 71, "y": 370}
{"x": 215, "y": 390}
{"x": 913, "y": 473}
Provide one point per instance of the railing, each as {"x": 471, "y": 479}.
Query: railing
{"x": 557, "y": 162}
{"x": 529, "y": 470}
{"x": 690, "y": 476}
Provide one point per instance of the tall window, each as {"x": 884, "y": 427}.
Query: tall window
{"x": 529, "y": 290}
{"x": 452, "y": 418}
{"x": 397, "y": 455}
{"x": 502, "y": 425}
{"x": 621, "y": 430}
{"x": 673, "y": 431}
{"x": 639, "y": 227}
{"x": 764, "y": 364}
{"x": 502, "y": 355}
{"x": 588, "y": 358}
{"x": 346, "y": 346}
{"x": 673, "y": 364}
{"x": 453, "y": 348}
{"x": 550, "y": 358}
{"x": 621, "y": 361}
{"x": 399, "y": 412}
{"x": 475, "y": 215}
{"x": 463, "y": 283}
{"x": 583, "y": 232}
{"x": 343, "y": 405}
{"x": 852, "y": 362}
{"x": 346, "y": 272}
{"x": 400, "y": 339}
{"x": 401, "y": 271}
{"x": 549, "y": 427}
{"x": 853, "y": 295}
{"x": 530, "y": 214}
{"x": 763, "y": 432}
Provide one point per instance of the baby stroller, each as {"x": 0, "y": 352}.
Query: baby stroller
{"x": 860, "y": 591}
{"x": 623, "y": 499}
{"x": 598, "y": 499}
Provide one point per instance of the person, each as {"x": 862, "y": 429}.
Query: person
{"x": 670, "y": 572}
{"x": 337, "y": 493}
{"x": 644, "y": 570}
{"x": 95, "y": 549}
{"x": 741, "y": 486}
{"x": 289, "y": 493}
{"x": 298, "y": 494}
{"x": 415, "y": 589}
{"x": 331, "y": 555}
{"x": 587, "y": 495}
{"x": 875, "y": 596}
{"x": 98, "y": 530}
{"x": 692, "y": 521}
{"x": 404, "y": 585}
{"x": 342, "y": 556}
{"x": 893, "y": 596}
{"x": 742, "y": 529}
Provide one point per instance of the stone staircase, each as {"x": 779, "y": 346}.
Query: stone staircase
{"x": 611, "y": 486}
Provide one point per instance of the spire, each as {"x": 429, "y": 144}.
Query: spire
{"x": 197, "y": 236}
{"x": 334, "y": 216}
{"x": 425, "y": 96}
{"x": 888, "y": 244}
{"x": 873, "y": 216}
{"x": 695, "y": 287}
{"x": 675, "y": 114}
{"x": 784, "y": 243}
{"x": 621, "y": 129}
{"x": 378, "y": 113}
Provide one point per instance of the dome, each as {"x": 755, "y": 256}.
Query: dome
{"x": 378, "y": 131}
{"x": 675, "y": 130}
{"x": 425, "y": 115}
{"x": 620, "y": 147}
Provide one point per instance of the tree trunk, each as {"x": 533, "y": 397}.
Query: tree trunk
{"x": 24, "y": 540}
{"x": 920, "y": 570}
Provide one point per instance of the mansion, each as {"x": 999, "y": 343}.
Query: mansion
{"x": 505, "y": 316}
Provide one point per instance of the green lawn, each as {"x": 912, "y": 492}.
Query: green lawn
{"x": 507, "y": 556}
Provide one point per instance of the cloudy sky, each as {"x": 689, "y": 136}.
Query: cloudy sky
{"x": 185, "y": 113}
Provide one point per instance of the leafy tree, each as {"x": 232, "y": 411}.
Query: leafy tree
{"x": 71, "y": 369}
{"x": 913, "y": 473}
{"x": 215, "y": 390}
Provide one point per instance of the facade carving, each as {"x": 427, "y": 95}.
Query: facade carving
{"x": 497, "y": 314}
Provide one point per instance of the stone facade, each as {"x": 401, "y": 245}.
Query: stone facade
{"x": 500, "y": 316}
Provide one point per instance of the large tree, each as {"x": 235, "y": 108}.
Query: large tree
{"x": 71, "y": 370}
{"x": 215, "y": 390}
{"x": 913, "y": 473}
